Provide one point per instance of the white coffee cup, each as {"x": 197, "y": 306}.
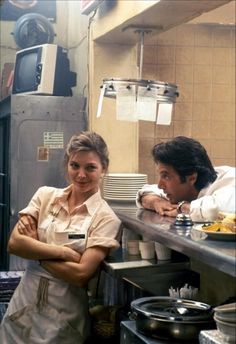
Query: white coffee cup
{"x": 147, "y": 249}
{"x": 133, "y": 247}
{"x": 162, "y": 252}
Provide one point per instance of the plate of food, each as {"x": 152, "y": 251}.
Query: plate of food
{"x": 223, "y": 229}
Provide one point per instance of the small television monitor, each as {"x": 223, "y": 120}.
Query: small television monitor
{"x": 43, "y": 70}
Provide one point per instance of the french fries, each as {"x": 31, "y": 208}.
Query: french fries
{"x": 226, "y": 224}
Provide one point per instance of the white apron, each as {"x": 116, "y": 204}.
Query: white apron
{"x": 46, "y": 310}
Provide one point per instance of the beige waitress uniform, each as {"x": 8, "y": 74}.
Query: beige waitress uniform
{"x": 45, "y": 309}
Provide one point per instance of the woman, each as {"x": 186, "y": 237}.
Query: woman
{"x": 65, "y": 234}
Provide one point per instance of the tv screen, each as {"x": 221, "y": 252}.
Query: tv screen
{"x": 44, "y": 70}
{"x": 25, "y": 72}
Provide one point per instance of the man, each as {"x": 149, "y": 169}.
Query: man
{"x": 187, "y": 182}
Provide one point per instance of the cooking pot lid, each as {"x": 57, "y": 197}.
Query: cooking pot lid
{"x": 169, "y": 309}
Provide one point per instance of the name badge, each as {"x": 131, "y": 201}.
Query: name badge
{"x": 76, "y": 236}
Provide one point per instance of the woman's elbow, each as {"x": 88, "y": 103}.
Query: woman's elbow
{"x": 10, "y": 246}
{"x": 82, "y": 278}
{"x": 82, "y": 281}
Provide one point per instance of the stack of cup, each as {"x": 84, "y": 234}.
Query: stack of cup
{"x": 162, "y": 252}
{"x": 147, "y": 249}
{"x": 133, "y": 247}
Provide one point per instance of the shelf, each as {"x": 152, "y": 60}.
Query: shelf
{"x": 118, "y": 21}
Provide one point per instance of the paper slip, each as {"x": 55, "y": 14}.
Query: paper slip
{"x": 164, "y": 114}
{"x": 126, "y": 104}
{"x": 146, "y": 104}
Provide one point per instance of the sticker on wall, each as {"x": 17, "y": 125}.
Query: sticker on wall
{"x": 53, "y": 139}
{"x": 43, "y": 154}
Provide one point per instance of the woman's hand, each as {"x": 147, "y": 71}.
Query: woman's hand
{"x": 77, "y": 274}
{"x": 27, "y": 225}
{"x": 70, "y": 255}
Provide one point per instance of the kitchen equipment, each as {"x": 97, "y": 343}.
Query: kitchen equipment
{"x": 165, "y": 92}
{"x": 225, "y": 317}
{"x": 171, "y": 318}
{"x": 227, "y": 329}
{"x": 183, "y": 220}
{"x": 130, "y": 335}
{"x": 227, "y": 312}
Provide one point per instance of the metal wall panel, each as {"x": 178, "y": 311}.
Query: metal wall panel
{"x": 4, "y": 180}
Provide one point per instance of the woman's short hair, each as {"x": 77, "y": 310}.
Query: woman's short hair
{"x": 88, "y": 141}
{"x": 186, "y": 156}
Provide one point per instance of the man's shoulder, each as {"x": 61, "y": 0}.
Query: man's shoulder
{"x": 222, "y": 170}
{"x": 226, "y": 175}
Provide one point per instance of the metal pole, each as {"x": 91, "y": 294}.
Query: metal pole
{"x": 141, "y": 53}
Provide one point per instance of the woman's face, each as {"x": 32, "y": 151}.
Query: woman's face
{"x": 84, "y": 171}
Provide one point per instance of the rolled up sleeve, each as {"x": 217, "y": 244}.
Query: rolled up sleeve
{"x": 105, "y": 231}
{"x": 148, "y": 189}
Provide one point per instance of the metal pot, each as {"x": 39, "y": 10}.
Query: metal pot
{"x": 171, "y": 318}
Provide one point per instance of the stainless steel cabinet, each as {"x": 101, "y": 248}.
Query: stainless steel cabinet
{"x": 33, "y": 140}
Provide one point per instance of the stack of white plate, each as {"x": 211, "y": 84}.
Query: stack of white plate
{"x": 122, "y": 186}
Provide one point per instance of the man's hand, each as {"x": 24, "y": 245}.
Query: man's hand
{"x": 27, "y": 225}
{"x": 160, "y": 205}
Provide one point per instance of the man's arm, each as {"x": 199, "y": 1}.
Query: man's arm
{"x": 148, "y": 189}
{"x": 161, "y": 205}
{"x": 152, "y": 198}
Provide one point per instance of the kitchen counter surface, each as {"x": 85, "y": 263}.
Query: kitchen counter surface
{"x": 218, "y": 254}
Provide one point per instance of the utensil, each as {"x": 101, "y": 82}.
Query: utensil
{"x": 171, "y": 318}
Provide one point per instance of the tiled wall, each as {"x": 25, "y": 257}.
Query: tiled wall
{"x": 200, "y": 59}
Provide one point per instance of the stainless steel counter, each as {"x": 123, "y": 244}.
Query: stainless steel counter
{"x": 220, "y": 255}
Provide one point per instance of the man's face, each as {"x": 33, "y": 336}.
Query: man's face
{"x": 169, "y": 181}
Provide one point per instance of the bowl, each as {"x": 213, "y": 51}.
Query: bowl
{"x": 227, "y": 329}
{"x": 231, "y": 318}
{"x": 226, "y": 312}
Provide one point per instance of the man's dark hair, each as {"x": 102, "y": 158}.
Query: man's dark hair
{"x": 186, "y": 156}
